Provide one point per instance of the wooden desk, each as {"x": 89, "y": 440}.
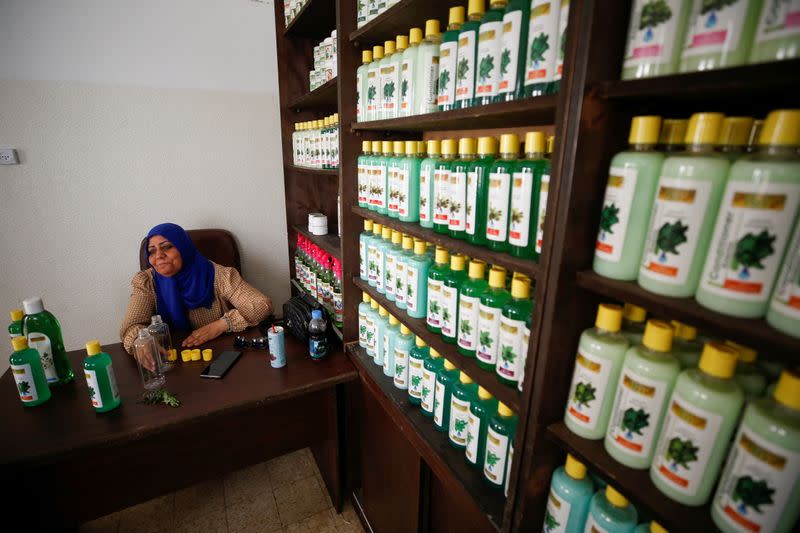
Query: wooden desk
{"x": 89, "y": 464}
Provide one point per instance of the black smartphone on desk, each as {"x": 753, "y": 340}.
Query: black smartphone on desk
{"x": 223, "y": 363}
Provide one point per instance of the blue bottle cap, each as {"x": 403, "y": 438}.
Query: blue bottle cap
{"x": 316, "y": 313}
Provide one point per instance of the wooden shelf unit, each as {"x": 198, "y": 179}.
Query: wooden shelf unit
{"x": 331, "y": 242}
{"x": 399, "y": 18}
{"x": 323, "y": 96}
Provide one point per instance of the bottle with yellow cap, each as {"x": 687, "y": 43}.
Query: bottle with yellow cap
{"x": 490, "y": 310}
{"x": 446, "y": 379}
{"x": 611, "y": 511}
{"x": 755, "y": 133}
{"x": 441, "y": 186}
{"x": 563, "y": 20}
{"x": 430, "y": 369}
{"x": 381, "y": 325}
{"x": 541, "y": 203}
{"x": 764, "y": 460}
{"x": 571, "y": 492}
{"x": 451, "y": 284}
{"x": 390, "y": 336}
{"x": 748, "y": 374}
{"x": 648, "y": 374}
{"x": 512, "y": 352}
{"x": 467, "y": 53}
{"x": 459, "y": 176}
{"x": 403, "y": 346}
{"x": 448, "y": 52}
{"x": 363, "y": 239}
{"x": 393, "y": 254}
{"x": 375, "y": 169}
{"x": 784, "y": 306}
{"x": 100, "y": 378}
{"x": 498, "y": 198}
{"x": 26, "y": 367}
{"x": 391, "y": 106}
{"x": 481, "y": 410}
{"x": 363, "y": 309}
{"x": 408, "y": 72}
{"x": 426, "y": 75}
{"x": 400, "y": 276}
{"x": 633, "y": 322}
{"x": 632, "y": 179}
{"x": 490, "y": 40}
{"x": 502, "y": 427}
{"x": 427, "y": 171}
{"x": 525, "y": 187}
{"x": 469, "y": 307}
{"x": 407, "y": 180}
{"x": 778, "y": 35}
{"x": 417, "y": 281}
{"x": 686, "y": 347}
{"x": 650, "y": 527}
{"x": 381, "y": 177}
{"x": 673, "y": 133}
{"x": 393, "y": 187}
{"x": 389, "y": 80}
{"x": 15, "y": 328}
{"x": 687, "y": 198}
{"x": 601, "y": 351}
{"x": 416, "y": 365}
{"x": 513, "y": 50}
{"x": 464, "y": 393}
{"x": 655, "y": 38}
{"x": 437, "y": 274}
{"x": 363, "y": 174}
{"x": 734, "y": 137}
{"x": 478, "y": 190}
{"x": 373, "y": 85}
{"x": 381, "y": 249}
{"x": 542, "y": 48}
{"x": 759, "y": 207}
{"x": 371, "y": 321}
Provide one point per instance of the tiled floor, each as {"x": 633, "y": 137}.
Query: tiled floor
{"x": 285, "y": 494}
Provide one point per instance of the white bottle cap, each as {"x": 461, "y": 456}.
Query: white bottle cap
{"x": 33, "y": 305}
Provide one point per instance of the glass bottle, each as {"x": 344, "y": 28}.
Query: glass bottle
{"x": 372, "y": 317}
{"x": 390, "y": 336}
{"x": 400, "y": 371}
{"x": 381, "y": 248}
{"x": 784, "y": 306}
{"x": 478, "y": 190}
{"x": 29, "y": 376}
{"x": 147, "y": 356}
{"x": 100, "y": 378}
{"x": 492, "y": 301}
{"x": 457, "y": 190}
{"x": 448, "y": 52}
{"x": 43, "y": 332}
{"x": 391, "y": 78}
{"x": 467, "y": 53}
{"x": 499, "y": 194}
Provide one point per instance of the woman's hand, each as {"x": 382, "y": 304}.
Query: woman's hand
{"x": 202, "y": 335}
{"x": 145, "y": 358}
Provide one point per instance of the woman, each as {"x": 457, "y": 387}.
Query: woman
{"x": 189, "y": 292}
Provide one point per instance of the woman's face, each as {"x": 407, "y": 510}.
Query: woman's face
{"x": 164, "y": 256}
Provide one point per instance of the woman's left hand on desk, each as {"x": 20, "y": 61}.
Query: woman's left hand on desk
{"x": 207, "y": 333}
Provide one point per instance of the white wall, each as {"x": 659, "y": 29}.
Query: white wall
{"x": 128, "y": 114}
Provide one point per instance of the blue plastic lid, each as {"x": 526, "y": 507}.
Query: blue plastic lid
{"x": 316, "y": 313}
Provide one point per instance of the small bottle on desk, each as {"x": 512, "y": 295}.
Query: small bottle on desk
{"x": 100, "y": 378}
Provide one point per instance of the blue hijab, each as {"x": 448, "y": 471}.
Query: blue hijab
{"x": 191, "y": 288}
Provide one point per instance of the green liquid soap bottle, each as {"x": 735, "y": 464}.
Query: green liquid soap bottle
{"x": 363, "y": 174}
{"x": 430, "y": 369}
{"x": 527, "y": 179}
{"x": 760, "y": 486}
{"x": 601, "y": 351}
{"x": 390, "y": 336}
{"x": 364, "y": 239}
{"x": 382, "y": 178}
{"x": 526, "y": 336}
{"x": 469, "y": 301}
{"x": 381, "y": 325}
{"x": 403, "y": 344}
{"x": 441, "y": 187}
{"x": 426, "y": 76}
{"x": 543, "y": 47}
{"x": 478, "y": 189}
{"x": 464, "y": 393}
{"x": 644, "y": 386}
{"x": 400, "y": 373}
{"x": 372, "y": 248}
{"x": 381, "y": 249}
{"x": 650, "y": 527}
{"x": 363, "y": 326}
{"x": 719, "y": 34}
{"x": 498, "y": 198}
{"x": 571, "y": 493}
{"x": 400, "y": 272}
{"x": 490, "y": 41}
{"x": 391, "y": 79}
{"x": 393, "y": 254}
{"x": 15, "y": 328}
{"x": 702, "y": 414}
{"x": 408, "y": 184}
{"x": 502, "y": 427}
{"x": 426, "y": 176}
{"x": 436, "y": 276}
{"x": 446, "y": 379}
{"x": 784, "y": 307}
{"x": 416, "y": 365}
{"x": 490, "y": 310}
{"x": 448, "y": 55}
{"x": 673, "y": 133}
{"x": 544, "y": 191}
{"x": 481, "y": 411}
{"x": 777, "y": 36}
{"x": 759, "y": 208}
{"x": 734, "y": 137}
{"x": 611, "y": 512}
{"x": 451, "y": 286}
{"x": 655, "y": 38}
{"x": 632, "y": 181}
{"x": 686, "y": 348}
{"x": 100, "y": 378}
{"x": 373, "y": 86}
{"x": 26, "y": 366}
{"x": 459, "y": 172}
{"x": 512, "y": 50}
{"x": 633, "y": 322}
{"x": 417, "y": 281}
{"x": 748, "y": 374}
{"x": 372, "y": 170}
{"x": 43, "y": 332}
{"x": 686, "y": 202}
{"x": 512, "y": 351}
{"x": 407, "y": 72}
{"x": 393, "y": 194}
{"x": 372, "y": 317}
{"x": 361, "y": 85}
{"x": 563, "y": 20}
{"x": 467, "y": 54}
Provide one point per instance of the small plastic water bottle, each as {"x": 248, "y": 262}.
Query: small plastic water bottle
{"x": 160, "y": 332}
{"x": 317, "y": 338}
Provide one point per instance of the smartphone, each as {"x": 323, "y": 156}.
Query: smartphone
{"x": 218, "y": 368}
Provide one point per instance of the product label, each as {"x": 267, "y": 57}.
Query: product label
{"x": 26, "y": 386}
{"x": 680, "y": 207}
{"x": 634, "y": 417}
{"x": 714, "y": 27}
{"x": 526, "y": 335}
{"x": 425, "y": 203}
{"x": 496, "y": 212}
{"x": 403, "y": 191}
{"x": 473, "y": 434}
{"x": 778, "y": 21}
{"x": 496, "y": 450}
{"x": 465, "y": 71}
{"x": 318, "y": 348}
{"x": 488, "y": 75}
{"x": 593, "y": 527}
{"x": 362, "y": 265}
{"x": 362, "y": 329}
{"x": 449, "y": 303}
{"x": 406, "y": 86}
{"x": 521, "y": 191}
{"x": 459, "y": 419}
{"x": 390, "y": 89}
{"x": 373, "y": 97}
{"x": 400, "y": 282}
{"x": 556, "y": 514}
{"x": 786, "y": 297}
{"x": 749, "y": 239}
{"x": 447, "y": 73}
{"x": 438, "y": 403}
{"x": 338, "y": 306}
{"x": 471, "y": 200}
{"x": 758, "y": 480}
{"x": 489, "y": 330}
{"x": 430, "y": 84}
{"x": 380, "y": 186}
{"x": 380, "y": 271}
{"x": 369, "y": 334}
{"x": 542, "y": 42}
{"x": 510, "y": 354}
{"x": 388, "y": 361}
{"x": 415, "y": 378}
{"x": 41, "y": 343}
{"x": 412, "y": 283}
{"x": 434, "y": 316}
{"x": 509, "y": 55}
{"x": 94, "y": 388}
{"x": 588, "y": 389}
{"x": 652, "y": 32}
{"x": 392, "y": 193}
{"x": 401, "y": 369}
{"x": 441, "y": 195}
{"x": 616, "y": 213}
{"x": 508, "y": 467}
{"x": 428, "y": 387}
{"x": 544, "y": 189}
{"x": 458, "y": 201}
{"x": 372, "y": 268}
{"x": 468, "y": 308}
{"x": 563, "y": 18}
{"x": 390, "y": 274}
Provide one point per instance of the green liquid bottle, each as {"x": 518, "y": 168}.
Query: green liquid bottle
{"x": 372, "y": 317}
{"x": 703, "y": 412}
{"x": 426, "y": 176}
{"x": 601, "y": 351}
{"x": 563, "y": 20}
{"x": 393, "y": 254}
{"x": 469, "y": 301}
{"x": 416, "y": 365}
{"x": 527, "y": 179}
{"x": 403, "y": 345}
{"x": 512, "y": 351}
{"x": 390, "y": 77}
{"x": 784, "y": 307}
{"x": 436, "y": 276}
{"x": 632, "y": 181}
{"x": 686, "y": 202}
{"x": 467, "y": 54}
{"x": 655, "y": 38}
{"x": 372, "y": 248}
{"x": 441, "y": 187}
{"x": 363, "y": 174}
{"x": 489, "y": 313}
{"x": 400, "y": 277}
{"x": 390, "y": 336}
{"x": 451, "y": 285}
{"x": 478, "y": 190}
{"x": 446, "y": 379}
{"x": 481, "y": 411}
{"x": 753, "y": 226}
{"x": 645, "y": 383}
{"x": 381, "y": 249}
{"x": 526, "y": 336}
{"x": 100, "y": 378}
{"x": 777, "y": 37}
{"x": 426, "y": 76}
{"x": 373, "y": 86}
{"x": 417, "y": 281}
{"x": 673, "y": 133}
{"x": 43, "y": 332}
{"x": 734, "y": 137}
{"x": 15, "y": 328}
{"x": 498, "y": 198}
{"x": 502, "y": 428}
{"x": 633, "y": 322}
{"x": 650, "y": 527}
{"x": 375, "y": 168}
{"x": 612, "y": 512}
{"x": 381, "y": 325}
{"x": 464, "y": 393}
{"x": 407, "y": 180}
{"x": 490, "y": 41}
{"x": 543, "y": 47}
{"x": 571, "y": 493}
{"x": 765, "y": 457}
{"x": 382, "y": 178}
{"x": 430, "y": 369}
{"x": 512, "y": 50}
{"x": 407, "y": 72}
{"x": 686, "y": 348}
{"x": 363, "y": 325}
{"x": 448, "y": 55}
{"x": 748, "y": 375}
{"x": 544, "y": 191}
{"x": 26, "y": 366}
{"x": 393, "y": 194}
{"x": 459, "y": 172}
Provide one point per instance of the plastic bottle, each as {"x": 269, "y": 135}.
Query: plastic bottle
{"x": 512, "y": 352}
{"x": 784, "y": 306}
{"x": 145, "y": 350}
{"x": 446, "y": 379}
{"x": 362, "y": 13}
{"x": 364, "y": 240}
{"x": 655, "y": 37}
{"x": 408, "y": 71}
{"x": 748, "y": 374}
{"x": 391, "y": 102}
{"x": 525, "y": 187}
{"x": 467, "y": 54}
{"x": 382, "y": 177}
{"x": 464, "y": 393}
{"x": 430, "y": 369}
{"x": 526, "y": 336}
{"x": 317, "y": 338}
{"x": 490, "y": 40}
{"x": 610, "y": 511}
{"x": 777, "y": 36}
{"x": 426, "y": 77}
{"x": 100, "y": 378}
{"x": 381, "y": 248}
{"x": 448, "y": 53}
{"x": 403, "y": 345}
{"x": 416, "y": 364}
{"x": 401, "y": 263}
{"x": 29, "y": 376}
{"x": 436, "y": 276}
{"x": 469, "y": 308}
{"x": 407, "y": 180}
{"x": 685, "y": 346}
{"x": 392, "y": 256}
{"x": 686, "y": 202}
{"x": 43, "y": 332}
{"x": 482, "y": 408}
{"x": 381, "y": 325}
{"x": 451, "y": 285}
{"x": 392, "y": 185}
{"x": 753, "y": 226}
{"x": 760, "y": 486}
{"x": 601, "y": 351}
{"x": 633, "y": 323}
{"x": 499, "y": 194}
{"x": 160, "y": 332}
{"x": 631, "y": 186}
{"x": 544, "y": 191}
{"x": 492, "y": 301}
{"x": 417, "y": 282}
{"x": 363, "y": 175}
{"x": 374, "y": 168}
{"x": 441, "y": 186}
{"x": 426, "y": 180}
{"x": 478, "y": 189}
{"x": 673, "y": 133}
{"x": 542, "y": 47}
{"x": 371, "y": 318}
{"x": 363, "y": 325}
{"x": 513, "y": 50}
{"x": 457, "y": 190}
{"x": 734, "y": 136}
{"x": 390, "y": 336}
{"x": 703, "y": 412}
{"x": 571, "y": 493}
{"x": 502, "y": 428}
{"x": 15, "y": 328}
{"x": 563, "y": 20}
{"x": 650, "y": 527}
{"x": 373, "y": 85}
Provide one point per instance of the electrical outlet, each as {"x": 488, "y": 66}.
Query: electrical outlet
{"x": 8, "y": 156}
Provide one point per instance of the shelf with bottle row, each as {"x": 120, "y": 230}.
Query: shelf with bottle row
{"x": 325, "y": 95}
{"x": 444, "y": 460}
{"x": 509, "y": 262}
{"x": 751, "y": 332}
{"x": 313, "y": 171}
{"x": 633, "y": 484}
{"x": 331, "y": 243}
{"x": 400, "y": 17}
{"x": 315, "y": 20}
{"x": 488, "y": 380}
{"x": 299, "y": 288}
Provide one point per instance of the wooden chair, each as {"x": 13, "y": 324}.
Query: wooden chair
{"x": 218, "y": 245}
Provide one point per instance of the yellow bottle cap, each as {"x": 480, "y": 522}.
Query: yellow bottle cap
{"x": 464, "y": 378}
{"x": 365, "y": 146}
{"x": 382, "y": 311}
{"x": 521, "y": 288}
{"x": 703, "y": 128}
{"x": 393, "y": 320}
{"x": 387, "y": 147}
{"x": 388, "y": 48}
{"x": 477, "y": 269}
{"x": 743, "y": 353}
{"x": 377, "y": 229}
{"x": 408, "y": 242}
{"x": 484, "y": 394}
{"x": 186, "y": 355}
{"x": 419, "y": 342}
{"x": 373, "y": 304}
{"x": 173, "y": 354}
{"x": 509, "y": 144}
{"x": 575, "y": 469}
{"x": 781, "y": 128}
{"x": 196, "y": 355}
{"x": 673, "y": 131}
{"x": 497, "y": 278}
{"x": 504, "y": 410}
{"x": 449, "y": 147}
{"x": 755, "y": 132}
{"x": 441, "y": 256}
{"x": 609, "y": 317}
{"x": 404, "y": 329}
{"x": 476, "y": 7}
{"x": 684, "y": 331}
{"x": 365, "y": 297}
{"x": 93, "y": 347}
{"x": 735, "y": 131}
{"x": 399, "y": 147}
{"x": 551, "y": 142}
{"x": 17, "y": 314}
{"x": 644, "y": 130}
{"x": 615, "y": 498}
{"x": 466, "y": 146}
{"x": 386, "y": 233}
{"x": 634, "y": 313}
{"x": 411, "y": 147}
{"x": 487, "y": 146}
{"x": 415, "y": 36}
{"x": 448, "y": 365}
{"x": 376, "y": 147}
{"x": 434, "y": 147}
{"x": 19, "y": 343}
{"x": 366, "y": 56}
{"x": 421, "y": 147}
{"x": 434, "y": 353}
{"x": 457, "y": 262}
{"x": 367, "y": 225}
{"x": 456, "y": 16}
{"x": 534, "y": 142}
{"x": 208, "y": 354}
{"x": 718, "y": 360}
{"x": 419, "y": 248}
{"x": 377, "y": 53}
{"x": 401, "y": 43}
{"x": 787, "y": 391}
{"x": 397, "y": 237}
{"x": 432, "y": 28}
{"x": 655, "y": 527}
{"x": 658, "y": 336}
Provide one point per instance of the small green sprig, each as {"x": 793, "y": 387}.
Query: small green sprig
{"x": 160, "y": 396}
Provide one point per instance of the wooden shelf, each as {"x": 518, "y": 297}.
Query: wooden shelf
{"x": 331, "y": 243}
{"x": 633, "y": 484}
{"x": 538, "y": 111}
{"x": 399, "y": 18}
{"x": 513, "y": 264}
{"x": 487, "y": 380}
{"x": 299, "y": 288}
{"x": 323, "y": 96}
{"x": 446, "y": 461}
{"x": 314, "y": 171}
{"x": 316, "y": 20}
{"x": 747, "y": 331}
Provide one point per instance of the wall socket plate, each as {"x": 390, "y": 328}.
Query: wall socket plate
{"x": 8, "y": 156}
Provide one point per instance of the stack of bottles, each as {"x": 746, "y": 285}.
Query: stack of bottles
{"x": 711, "y": 222}
{"x": 512, "y": 51}
{"x": 367, "y": 10}
{"x": 463, "y": 188}
{"x": 472, "y": 418}
{"x": 669, "y": 36}
{"x": 291, "y": 8}
{"x": 325, "y": 62}
{"x": 315, "y": 143}
{"x": 320, "y": 275}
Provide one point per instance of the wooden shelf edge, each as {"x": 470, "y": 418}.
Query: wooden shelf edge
{"x": 314, "y": 10}
{"x": 313, "y": 171}
{"x": 300, "y": 289}
{"x": 330, "y": 243}
{"x": 324, "y": 95}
